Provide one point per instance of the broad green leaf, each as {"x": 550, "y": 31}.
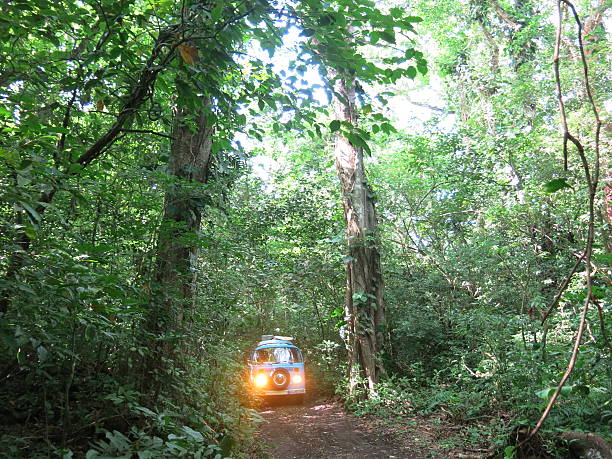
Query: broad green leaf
{"x": 387, "y": 36}
{"x": 556, "y": 185}
{"x": 197, "y": 436}
{"x": 397, "y": 13}
{"x": 358, "y": 141}
{"x": 422, "y": 68}
{"x": 31, "y": 211}
{"x": 226, "y": 445}
{"x": 334, "y": 125}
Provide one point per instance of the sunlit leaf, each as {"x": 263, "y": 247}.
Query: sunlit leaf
{"x": 188, "y": 53}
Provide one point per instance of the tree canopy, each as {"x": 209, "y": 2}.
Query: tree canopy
{"x": 178, "y": 178}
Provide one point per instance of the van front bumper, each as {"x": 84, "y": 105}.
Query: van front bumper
{"x": 289, "y": 391}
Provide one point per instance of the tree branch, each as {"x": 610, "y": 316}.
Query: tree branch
{"x": 138, "y": 95}
{"x": 504, "y": 16}
{"x": 148, "y": 131}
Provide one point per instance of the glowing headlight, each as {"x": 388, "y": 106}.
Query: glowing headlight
{"x": 261, "y": 380}
{"x": 296, "y": 379}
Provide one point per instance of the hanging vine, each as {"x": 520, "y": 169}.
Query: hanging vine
{"x": 591, "y": 174}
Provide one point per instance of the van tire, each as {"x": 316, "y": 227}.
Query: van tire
{"x": 280, "y": 379}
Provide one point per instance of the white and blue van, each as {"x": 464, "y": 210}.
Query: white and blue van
{"x": 277, "y": 368}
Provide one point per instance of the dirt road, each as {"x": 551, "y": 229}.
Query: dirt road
{"x": 323, "y": 429}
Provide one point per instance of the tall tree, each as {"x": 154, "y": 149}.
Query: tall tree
{"x": 364, "y": 306}
{"x": 342, "y": 39}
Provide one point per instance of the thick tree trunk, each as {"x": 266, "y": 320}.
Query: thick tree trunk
{"x": 177, "y": 250}
{"x": 364, "y": 308}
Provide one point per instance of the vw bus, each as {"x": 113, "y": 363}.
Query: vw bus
{"x": 277, "y": 368}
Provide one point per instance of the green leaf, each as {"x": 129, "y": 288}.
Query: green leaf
{"x": 43, "y": 353}
{"x": 411, "y": 71}
{"x": 556, "y": 185}
{"x": 30, "y": 231}
{"x": 358, "y": 141}
{"x": 387, "y": 36}
{"x": 33, "y": 214}
{"x": 241, "y": 119}
{"x": 566, "y": 390}
{"x": 326, "y": 20}
{"x": 544, "y": 394}
{"x": 308, "y": 32}
{"x": 74, "y": 168}
{"x": 334, "y": 125}
{"x": 23, "y": 180}
{"x": 12, "y": 157}
{"x": 197, "y": 436}
{"x": 396, "y": 12}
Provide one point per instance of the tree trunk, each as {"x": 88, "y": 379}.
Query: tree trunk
{"x": 177, "y": 249}
{"x": 364, "y": 307}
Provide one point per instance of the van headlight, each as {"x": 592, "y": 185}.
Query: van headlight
{"x": 261, "y": 380}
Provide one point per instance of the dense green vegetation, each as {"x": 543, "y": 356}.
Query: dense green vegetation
{"x": 133, "y": 281}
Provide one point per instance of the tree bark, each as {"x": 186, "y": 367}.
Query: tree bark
{"x": 364, "y": 306}
{"x": 177, "y": 249}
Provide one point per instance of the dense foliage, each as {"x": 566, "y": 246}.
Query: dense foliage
{"x": 480, "y": 222}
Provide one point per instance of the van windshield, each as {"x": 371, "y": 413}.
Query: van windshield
{"x": 277, "y": 355}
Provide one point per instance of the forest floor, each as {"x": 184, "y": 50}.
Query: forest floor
{"x": 322, "y": 428}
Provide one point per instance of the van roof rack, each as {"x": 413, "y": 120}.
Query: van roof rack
{"x": 272, "y": 337}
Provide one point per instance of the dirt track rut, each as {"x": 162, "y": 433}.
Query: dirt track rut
{"x": 323, "y": 429}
